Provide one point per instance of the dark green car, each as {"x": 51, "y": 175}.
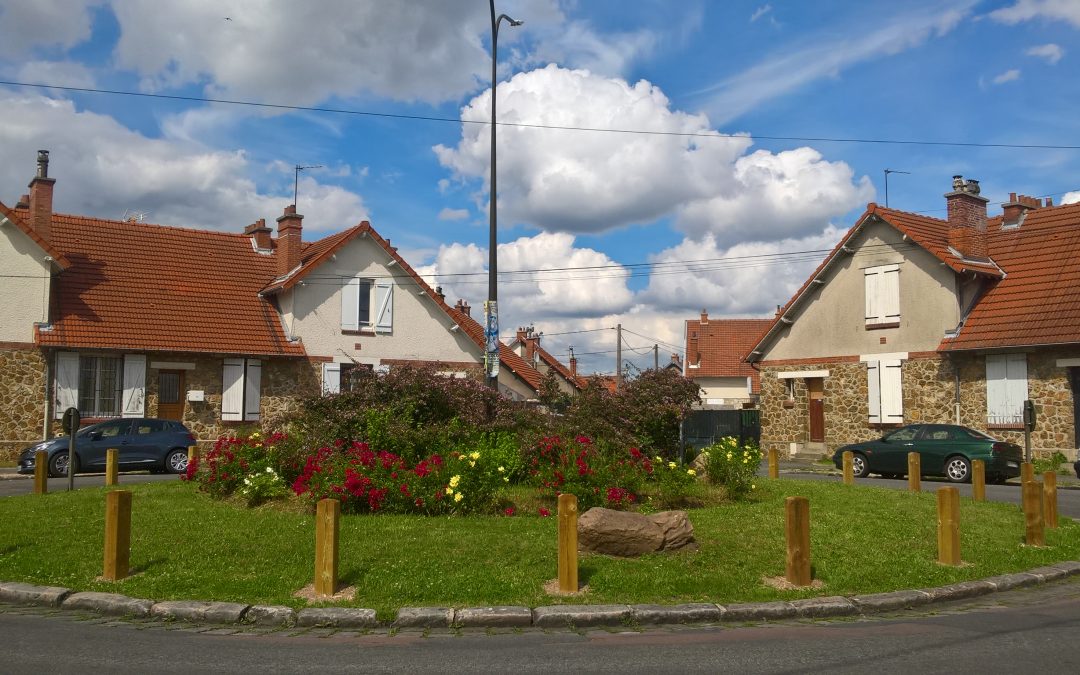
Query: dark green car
{"x": 944, "y": 450}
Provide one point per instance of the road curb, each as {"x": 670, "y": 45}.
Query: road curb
{"x": 550, "y": 616}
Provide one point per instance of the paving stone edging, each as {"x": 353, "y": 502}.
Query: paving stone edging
{"x": 551, "y": 616}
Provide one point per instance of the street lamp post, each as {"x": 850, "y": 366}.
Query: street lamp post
{"x": 491, "y": 307}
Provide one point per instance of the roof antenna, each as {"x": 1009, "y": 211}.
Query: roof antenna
{"x": 296, "y": 178}
{"x": 887, "y": 172}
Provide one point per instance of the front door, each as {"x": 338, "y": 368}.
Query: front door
{"x": 815, "y": 387}
{"x": 171, "y": 394}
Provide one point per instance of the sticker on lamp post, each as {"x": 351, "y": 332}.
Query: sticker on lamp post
{"x": 491, "y": 338}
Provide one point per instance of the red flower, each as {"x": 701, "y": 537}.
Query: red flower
{"x": 544, "y": 513}
{"x": 509, "y": 511}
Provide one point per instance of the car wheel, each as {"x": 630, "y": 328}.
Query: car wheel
{"x": 176, "y": 461}
{"x": 958, "y": 469}
{"x": 860, "y": 468}
{"x": 58, "y": 464}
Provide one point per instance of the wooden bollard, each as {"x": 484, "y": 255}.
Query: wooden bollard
{"x": 1027, "y": 472}
{"x": 1033, "y": 515}
{"x": 849, "y": 471}
{"x": 112, "y": 457}
{"x": 192, "y": 454}
{"x": 978, "y": 480}
{"x": 117, "y": 534}
{"x": 568, "y": 543}
{"x": 1050, "y": 504}
{"x": 774, "y": 463}
{"x": 327, "y": 514}
{"x": 948, "y": 526}
{"x": 798, "y": 540}
{"x": 41, "y": 472}
{"x": 914, "y": 472}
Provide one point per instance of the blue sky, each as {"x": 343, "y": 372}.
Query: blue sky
{"x": 726, "y": 91}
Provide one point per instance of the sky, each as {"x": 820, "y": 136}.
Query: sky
{"x": 655, "y": 158}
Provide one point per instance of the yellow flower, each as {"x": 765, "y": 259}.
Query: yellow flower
{"x": 691, "y": 472}
{"x": 506, "y": 479}
{"x": 671, "y": 465}
{"x": 458, "y": 497}
{"x": 501, "y": 469}
{"x": 455, "y": 481}
{"x": 474, "y": 455}
{"x": 473, "y": 464}
{"x": 449, "y": 490}
{"x": 753, "y": 487}
{"x": 659, "y": 458}
{"x": 729, "y": 456}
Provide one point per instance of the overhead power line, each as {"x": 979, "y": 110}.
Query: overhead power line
{"x": 526, "y": 125}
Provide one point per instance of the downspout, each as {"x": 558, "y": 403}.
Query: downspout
{"x": 48, "y": 398}
{"x": 956, "y": 393}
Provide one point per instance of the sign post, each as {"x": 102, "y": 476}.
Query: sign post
{"x": 70, "y": 423}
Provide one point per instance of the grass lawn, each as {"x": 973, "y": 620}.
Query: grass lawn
{"x": 185, "y": 545}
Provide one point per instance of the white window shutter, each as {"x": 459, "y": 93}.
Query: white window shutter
{"x": 331, "y": 378}
{"x": 66, "y": 383}
{"x": 252, "y": 390}
{"x": 873, "y": 282}
{"x": 1016, "y": 385}
{"x": 232, "y": 390}
{"x": 891, "y": 392}
{"x": 997, "y": 406}
{"x": 889, "y": 288}
{"x": 873, "y": 388}
{"x": 384, "y": 301}
{"x": 350, "y": 303}
{"x": 134, "y": 385}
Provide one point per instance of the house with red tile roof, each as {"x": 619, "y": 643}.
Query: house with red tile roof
{"x": 714, "y": 359}
{"x": 124, "y": 318}
{"x": 919, "y": 319}
{"x": 526, "y": 344}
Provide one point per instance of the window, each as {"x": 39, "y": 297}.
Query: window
{"x": 367, "y": 304}
{"x": 147, "y": 427}
{"x": 240, "y": 390}
{"x": 1006, "y": 388}
{"x": 885, "y": 396}
{"x": 905, "y": 434}
{"x": 99, "y": 385}
{"x": 339, "y": 377}
{"x": 882, "y": 296}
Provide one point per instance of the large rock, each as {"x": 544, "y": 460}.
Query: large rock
{"x": 628, "y": 534}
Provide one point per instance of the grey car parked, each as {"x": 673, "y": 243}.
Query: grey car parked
{"x": 144, "y": 444}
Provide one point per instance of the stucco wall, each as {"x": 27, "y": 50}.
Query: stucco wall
{"x": 728, "y": 388}
{"x": 22, "y": 399}
{"x": 24, "y": 286}
{"x": 421, "y": 331}
{"x": 832, "y": 322}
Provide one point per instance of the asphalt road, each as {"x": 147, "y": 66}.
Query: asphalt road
{"x": 11, "y": 485}
{"x": 1068, "y": 499}
{"x": 1023, "y": 631}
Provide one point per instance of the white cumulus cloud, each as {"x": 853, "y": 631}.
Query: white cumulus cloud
{"x": 1027, "y": 10}
{"x": 105, "y": 169}
{"x": 1051, "y": 52}
{"x": 1010, "y": 75}
{"x": 26, "y": 24}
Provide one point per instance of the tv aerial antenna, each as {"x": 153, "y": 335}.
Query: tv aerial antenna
{"x": 887, "y": 172}
{"x": 296, "y": 178}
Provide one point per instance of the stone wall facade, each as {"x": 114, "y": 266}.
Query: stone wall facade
{"x": 22, "y": 399}
{"x": 929, "y": 392}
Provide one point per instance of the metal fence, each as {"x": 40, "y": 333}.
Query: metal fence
{"x": 702, "y": 428}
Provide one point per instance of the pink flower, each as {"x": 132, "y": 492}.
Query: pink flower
{"x": 509, "y": 511}
{"x": 544, "y": 513}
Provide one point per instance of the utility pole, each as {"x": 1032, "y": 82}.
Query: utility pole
{"x": 618, "y": 357}
{"x": 656, "y": 357}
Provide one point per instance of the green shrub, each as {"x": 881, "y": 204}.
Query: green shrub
{"x": 732, "y": 467}
{"x": 1053, "y": 463}
{"x": 261, "y": 486}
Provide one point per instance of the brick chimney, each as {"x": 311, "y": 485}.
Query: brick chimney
{"x": 463, "y": 307}
{"x": 260, "y": 235}
{"x": 1013, "y": 211}
{"x": 532, "y": 342}
{"x": 967, "y": 218}
{"x": 704, "y": 318}
{"x": 41, "y": 197}
{"x": 676, "y": 361}
{"x": 288, "y": 240}
{"x": 23, "y": 204}
{"x": 573, "y": 363}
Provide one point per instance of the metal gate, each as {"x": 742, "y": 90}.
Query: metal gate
{"x": 702, "y": 428}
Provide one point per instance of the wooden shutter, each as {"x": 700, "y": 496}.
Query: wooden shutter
{"x": 889, "y": 288}
{"x": 1016, "y": 390}
{"x": 331, "y": 378}
{"x": 66, "y": 384}
{"x": 384, "y": 303}
{"x": 997, "y": 396}
{"x": 350, "y": 299}
{"x": 232, "y": 390}
{"x": 873, "y": 389}
{"x": 891, "y": 391}
{"x": 873, "y": 283}
{"x": 134, "y": 385}
{"x": 252, "y": 390}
